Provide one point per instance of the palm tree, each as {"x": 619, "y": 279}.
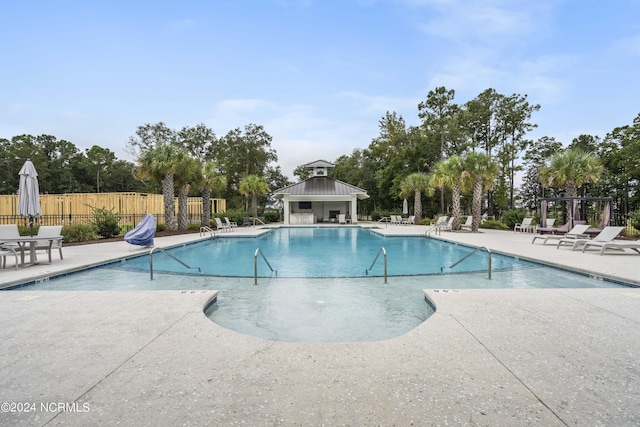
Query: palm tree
{"x": 450, "y": 173}
{"x": 158, "y": 163}
{"x": 211, "y": 179}
{"x": 253, "y": 185}
{"x": 415, "y": 184}
{"x": 187, "y": 170}
{"x": 482, "y": 172}
{"x": 570, "y": 169}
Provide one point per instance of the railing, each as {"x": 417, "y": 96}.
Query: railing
{"x": 468, "y": 255}
{"x": 255, "y": 265}
{"x": 204, "y": 230}
{"x": 170, "y": 256}
{"x": 384, "y": 251}
{"x": 259, "y": 220}
{"x": 435, "y": 227}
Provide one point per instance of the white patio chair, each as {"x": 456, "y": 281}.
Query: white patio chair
{"x": 525, "y": 226}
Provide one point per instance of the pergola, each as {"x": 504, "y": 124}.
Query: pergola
{"x": 574, "y": 212}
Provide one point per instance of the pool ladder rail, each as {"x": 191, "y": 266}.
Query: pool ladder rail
{"x": 204, "y": 230}
{"x": 383, "y": 251}
{"x": 468, "y": 255}
{"x": 170, "y": 256}
{"x": 255, "y": 265}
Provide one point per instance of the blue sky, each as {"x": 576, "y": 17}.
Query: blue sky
{"x": 317, "y": 75}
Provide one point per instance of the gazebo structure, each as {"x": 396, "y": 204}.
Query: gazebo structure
{"x": 574, "y": 212}
{"x": 320, "y": 198}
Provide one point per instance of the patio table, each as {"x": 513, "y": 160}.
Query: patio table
{"x": 22, "y": 241}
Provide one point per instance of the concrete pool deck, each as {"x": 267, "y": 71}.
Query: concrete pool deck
{"x": 486, "y": 357}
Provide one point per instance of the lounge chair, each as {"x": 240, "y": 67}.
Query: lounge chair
{"x": 409, "y": 221}
{"x": 577, "y": 232}
{"x": 564, "y": 229}
{"x": 619, "y": 245}
{"x": 467, "y": 223}
{"x": 525, "y": 226}
{"x": 395, "y": 219}
{"x": 220, "y": 226}
{"x": 448, "y": 226}
{"x": 230, "y": 225}
{"x": 342, "y": 219}
{"x": 549, "y": 228}
{"x": 605, "y": 236}
{"x": 46, "y": 244}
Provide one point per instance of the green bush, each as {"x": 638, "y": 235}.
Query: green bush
{"x": 106, "y": 222}
{"x": 78, "y": 233}
{"x": 233, "y": 215}
{"x": 271, "y": 215}
{"x": 513, "y": 216}
{"x": 634, "y": 219}
{"x": 494, "y": 225}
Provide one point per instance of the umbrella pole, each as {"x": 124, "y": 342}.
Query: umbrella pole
{"x": 31, "y": 224}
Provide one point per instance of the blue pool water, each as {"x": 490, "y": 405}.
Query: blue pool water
{"x": 322, "y": 252}
{"x": 336, "y": 302}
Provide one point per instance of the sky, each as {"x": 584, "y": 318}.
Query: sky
{"x": 318, "y": 75}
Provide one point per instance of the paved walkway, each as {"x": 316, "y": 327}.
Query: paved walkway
{"x": 542, "y": 357}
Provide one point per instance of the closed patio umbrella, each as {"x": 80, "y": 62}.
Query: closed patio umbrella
{"x": 29, "y": 193}
{"x": 405, "y": 207}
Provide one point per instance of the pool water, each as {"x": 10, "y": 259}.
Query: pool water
{"x": 320, "y": 309}
{"x": 322, "y": 252}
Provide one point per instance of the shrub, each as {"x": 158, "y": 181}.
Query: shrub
{"x": 106, "y": 222}
{"x": 494, "y": 225}
{"x": 234, "y": 216}
{"x": 78, "y": 233}
{"x": 513, "y": 216}
{"x": 271, "y": 215}
{"x": 634, "y": 219}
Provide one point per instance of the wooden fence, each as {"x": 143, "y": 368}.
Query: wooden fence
{"x": 77, "y": 208}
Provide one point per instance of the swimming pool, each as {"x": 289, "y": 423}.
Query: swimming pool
{"x": 287, "y": 307}
{"x": 322, "y": 252}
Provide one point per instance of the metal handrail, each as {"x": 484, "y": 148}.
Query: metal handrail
{"x": 259, "y": 220}
{"x": 170, "y": 256}
{"x": 255, "y": 265}
{"x": 204, "y": 229}
{"x": 435, "y": 227}
{"x": 384, "y": 251}
{"x": 468, "y": 255}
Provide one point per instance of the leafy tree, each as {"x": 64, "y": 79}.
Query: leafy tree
{"x": 302, "y": 173}
{"x": 244, "y": 153}
{"x": 480, "y": 122}
{"x": 514, "y": 115}
{"x": 148, "y": 136}
{"x": 199, "y": 140}
{"x": 536, "y": 157}
{"x": 450, "y": 173}
{"x": 482, "y": 172}
{"x": 253, "y": 186}
{"x": 187, "y": 171}
{"x": 211, "y": 180}
{"x": 158, "y": 163}
{"x": 570, "y": 169}
{"x": 437, "y": 114}
{"x": 100, "y": 160}
{"x": 415, "y": 184}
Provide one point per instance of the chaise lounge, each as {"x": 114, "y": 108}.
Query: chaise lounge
{"x": 605, "y": 236}
{"x": 577, "y": 232}
{"x": 525, "y": 226}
